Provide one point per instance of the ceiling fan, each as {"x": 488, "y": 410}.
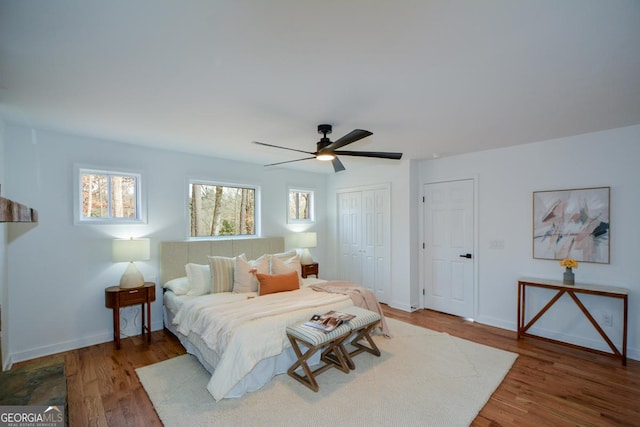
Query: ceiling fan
{"x": 327, "y": 150}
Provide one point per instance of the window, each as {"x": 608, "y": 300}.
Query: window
{"x": 300, "y": 206}
{"x": 222, "y": 210}
{"x": 109, "y": 196}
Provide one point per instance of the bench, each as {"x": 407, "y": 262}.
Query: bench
{"x": 315, "y": 339}
{"x": 335, "y": 353}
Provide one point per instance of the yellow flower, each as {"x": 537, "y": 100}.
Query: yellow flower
{"x": 569, "y": 262}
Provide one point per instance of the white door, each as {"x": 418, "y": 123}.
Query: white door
{"x": 448, "y": 242}
{"x": 350, "y": 236}
{"x": 376, "y": 233}
{"x": 364, "y": 235}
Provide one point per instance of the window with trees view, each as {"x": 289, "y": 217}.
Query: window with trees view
{"x": 221, "y": 210}
{"x": 109, "y": 196}
{"x": 300, "y": 206}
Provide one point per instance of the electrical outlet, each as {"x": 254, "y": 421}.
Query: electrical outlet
{"x": 607, "y": 319}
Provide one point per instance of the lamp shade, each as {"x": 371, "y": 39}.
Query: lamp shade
{"x": 307, "y": 239}
{"x": 126, "y": 250}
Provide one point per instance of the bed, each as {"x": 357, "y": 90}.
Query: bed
{"x": 239, "y": 337}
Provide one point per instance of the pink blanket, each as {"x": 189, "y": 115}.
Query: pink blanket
{"x": 361, "y": 297}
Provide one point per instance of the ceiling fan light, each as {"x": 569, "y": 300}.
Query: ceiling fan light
{"x": 325, "y": 157}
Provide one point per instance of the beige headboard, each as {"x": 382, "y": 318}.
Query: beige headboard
{"x": 174, "y": 255}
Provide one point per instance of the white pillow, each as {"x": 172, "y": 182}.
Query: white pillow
{"x": 279, "y": 266}
{"x": 179, "y": 286}
{"x": 221, "y": 273}
{"x": 199, "y": 277}
{"x": 286, "y": 255}
{"x": 243, "y": 279}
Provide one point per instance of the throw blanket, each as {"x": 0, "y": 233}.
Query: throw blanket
{"x": 225, "y": 323}
{"x": 361, "y": 297}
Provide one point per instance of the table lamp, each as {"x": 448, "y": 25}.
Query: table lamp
{"x": 305, "y": 241}
{"x": 130, "y": 250}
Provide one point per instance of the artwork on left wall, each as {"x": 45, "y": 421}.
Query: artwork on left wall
{"x": 572, "y": 224}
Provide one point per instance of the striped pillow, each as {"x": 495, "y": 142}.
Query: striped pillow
{"x": 221, "y": 274}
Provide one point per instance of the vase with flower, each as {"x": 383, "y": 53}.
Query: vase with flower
{"x": 569, "y": 264}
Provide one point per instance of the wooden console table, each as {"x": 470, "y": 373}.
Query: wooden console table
{"x": 572, "y": 291}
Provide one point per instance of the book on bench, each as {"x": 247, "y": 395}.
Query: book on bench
{"x": 329, "y": 321}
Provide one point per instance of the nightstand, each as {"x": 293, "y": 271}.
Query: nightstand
{"x": 310, "y": 269}
{"x": 116, "y": 297}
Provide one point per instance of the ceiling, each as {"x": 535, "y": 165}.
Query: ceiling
{"x": 428, "y": 78}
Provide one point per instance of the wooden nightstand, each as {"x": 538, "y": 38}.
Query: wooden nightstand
{"x": 310, "y": 269}
{"x": 116, "y": 297}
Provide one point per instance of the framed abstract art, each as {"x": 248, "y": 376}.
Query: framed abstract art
{"x": 572, "y": 224}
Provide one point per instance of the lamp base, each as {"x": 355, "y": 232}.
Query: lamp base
{"x": 131, "y": 278}
{"x": 306, "y": 258}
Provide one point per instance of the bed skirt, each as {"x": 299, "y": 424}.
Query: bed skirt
{"x": 261, "y": 374}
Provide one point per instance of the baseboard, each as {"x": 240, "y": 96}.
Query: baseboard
{"x": 75, "y": 344}
{"x": 402, "y": 307}
{"x": 632, "y": 353}
{"x": 498, "y": 323}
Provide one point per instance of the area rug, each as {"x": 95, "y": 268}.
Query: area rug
{"x": 422, "y": 378}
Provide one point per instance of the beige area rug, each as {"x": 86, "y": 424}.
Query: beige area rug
{"x": 422, "y": 378}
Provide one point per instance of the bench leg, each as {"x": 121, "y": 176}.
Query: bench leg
{"x": 364, "y": 333}
{"x": 332, "y": 356}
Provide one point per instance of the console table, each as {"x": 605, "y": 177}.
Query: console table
{"x": 572, "y": 291}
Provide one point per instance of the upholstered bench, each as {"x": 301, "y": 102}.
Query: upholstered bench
{"x": 361, "y": 327}
{"x": 315, "y": 339}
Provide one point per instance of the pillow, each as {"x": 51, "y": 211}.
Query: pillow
{"x": 243, "y": 278}
{"x": 286, "y": 255}
{"x": 199, "y": 277}
{"x": 280, "y": 266}
{"x": 272, "y": 283}
{"x": 221, "y": 273}
{"x": 179, "y": 286}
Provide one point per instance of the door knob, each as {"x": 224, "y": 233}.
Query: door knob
{"x": 466, "y": 256}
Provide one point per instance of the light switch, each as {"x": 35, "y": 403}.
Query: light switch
{"x": 496, "y": 244}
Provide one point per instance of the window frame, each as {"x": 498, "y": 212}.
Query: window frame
{"x": 312, "y": 205}
{"x": 257, "y": 220}
{"x": 140, "y": 197}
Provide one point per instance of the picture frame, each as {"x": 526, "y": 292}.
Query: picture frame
{"x": 572, "y": 224}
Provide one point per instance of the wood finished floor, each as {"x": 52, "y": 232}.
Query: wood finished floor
{"x": 549, "y": 385}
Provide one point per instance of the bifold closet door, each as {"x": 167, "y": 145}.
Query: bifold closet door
{"x": 365, "y": 232}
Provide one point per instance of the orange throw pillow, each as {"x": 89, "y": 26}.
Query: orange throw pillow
{"x": 272, "y": 283}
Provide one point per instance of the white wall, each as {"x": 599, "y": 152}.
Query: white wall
{"x": 506, "y": 180}
{"x": 57, "y": 271}
{"x": 4, "y": 287}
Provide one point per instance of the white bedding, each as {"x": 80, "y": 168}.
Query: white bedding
{"x": 239, "y": 332}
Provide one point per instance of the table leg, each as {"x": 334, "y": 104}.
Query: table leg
{"x": 116, "y": 323}
{"x": 148, "y": 318}
{"x": 624, "y": 330}
{"x": 142, "y": 316}
{"x": 520, "y": 312}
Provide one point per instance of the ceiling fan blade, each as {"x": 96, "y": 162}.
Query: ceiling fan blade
{"x": 352, "y": 136}
{"x": 337, "y": 165}
{"x": 284, "y": 148}
{"x": 290, "y": 161}
{"x": 378, "y": 154}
